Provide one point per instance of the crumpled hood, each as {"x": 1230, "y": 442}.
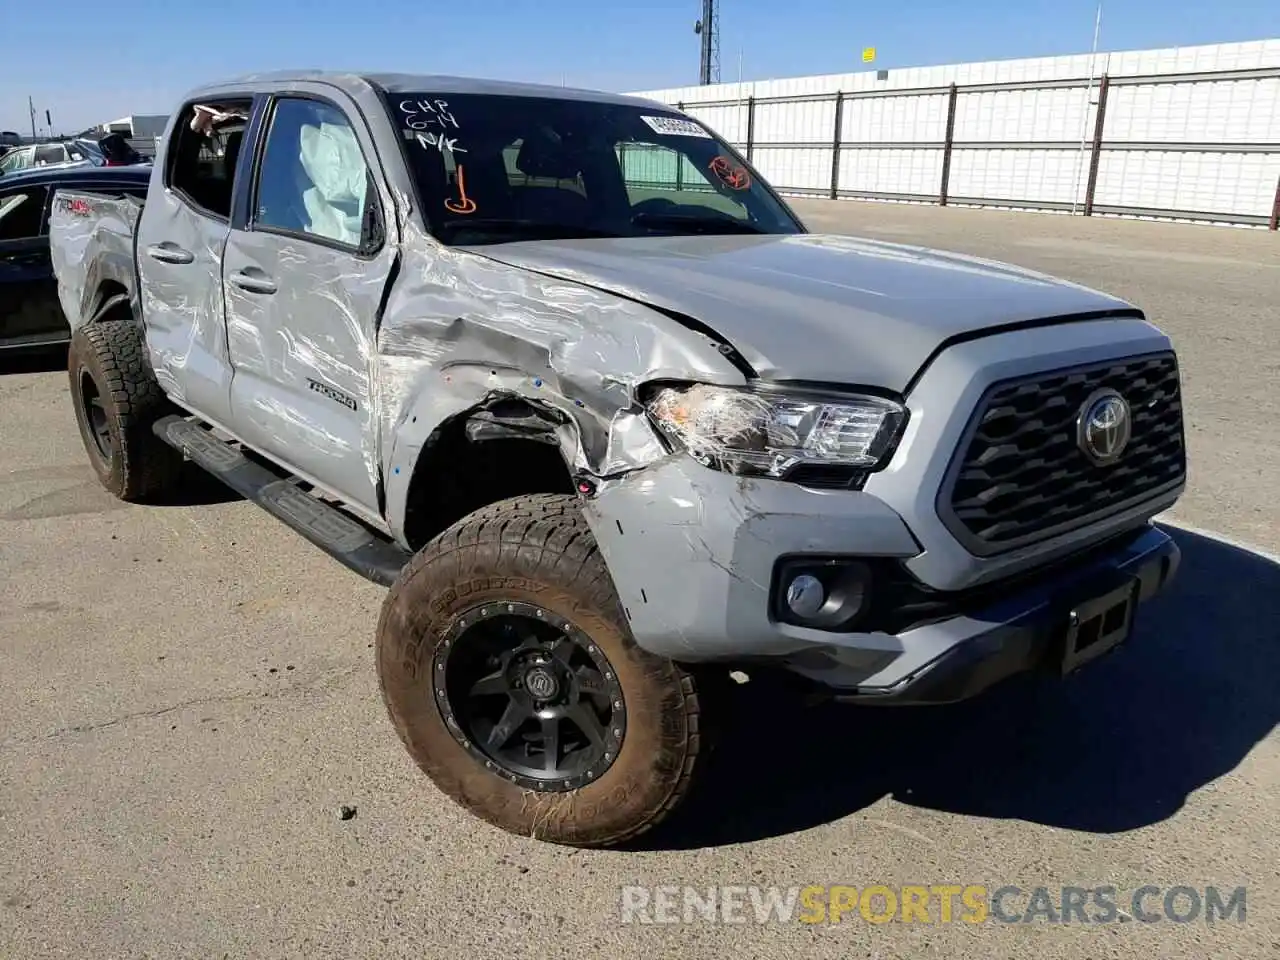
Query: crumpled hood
{"x": 832, "y": 309}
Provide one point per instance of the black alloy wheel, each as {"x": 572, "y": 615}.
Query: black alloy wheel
{"x": 95, "y": 415}
{"x": 530, "y": 695}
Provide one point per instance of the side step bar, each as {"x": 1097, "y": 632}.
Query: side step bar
{"x": 349, "y": 542}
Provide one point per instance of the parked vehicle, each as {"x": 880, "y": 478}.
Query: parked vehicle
{"x": 113, "y": 150}
{"x": 30, "y": 313}
{"x": 41, "y": 155}
{"x": 609, "y": 421}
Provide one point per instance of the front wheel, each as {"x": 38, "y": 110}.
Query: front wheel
{"x": 512, "y": 679}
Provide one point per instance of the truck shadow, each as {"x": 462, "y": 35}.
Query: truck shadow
{"x": 196, "y": 487}
{"x": 42, "y": 360}
{"x": 1118, "y": 746}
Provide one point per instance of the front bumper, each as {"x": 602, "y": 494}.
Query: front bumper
{"x": 692, "y": 553}
{"x": 1025, "y": 633}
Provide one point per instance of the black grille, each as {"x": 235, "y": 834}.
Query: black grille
{"x": 1023, "y": 477}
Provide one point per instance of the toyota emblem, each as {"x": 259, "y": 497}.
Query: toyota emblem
{"x": 1104, "y": 427}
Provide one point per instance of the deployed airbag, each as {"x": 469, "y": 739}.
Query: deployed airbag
{"x": 332, "y": 160}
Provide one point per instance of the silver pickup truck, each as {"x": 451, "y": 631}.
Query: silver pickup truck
{"x": 564, "y": 372}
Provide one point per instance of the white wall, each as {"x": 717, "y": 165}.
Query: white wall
{"x": 1042, "y": 163}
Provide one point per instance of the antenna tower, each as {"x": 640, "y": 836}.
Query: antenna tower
{"x": 708, "y": 30}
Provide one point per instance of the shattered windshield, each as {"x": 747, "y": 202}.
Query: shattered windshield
{"x": 492, "y": 169}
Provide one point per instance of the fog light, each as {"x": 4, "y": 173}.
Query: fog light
{"x": 805, "y": 595}
{"x": 821, "y": 593}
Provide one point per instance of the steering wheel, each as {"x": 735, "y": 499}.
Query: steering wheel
{"x": 653, "y": 205}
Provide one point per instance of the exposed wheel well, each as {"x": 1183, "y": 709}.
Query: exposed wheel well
{"x": 457, "y": 475}
{"x": 106, "y": 290}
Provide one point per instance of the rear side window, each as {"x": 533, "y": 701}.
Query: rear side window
{"x": 313, "y": 179}
{"x": 202, "y": 156}
{"x": 50, "y": 154}
{"x": 20, "y": 213}
{"x": 15, "y": 160}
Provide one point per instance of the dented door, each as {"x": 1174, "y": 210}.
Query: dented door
{"x": 304, "y": 277}
{"x": 181, "y": 235}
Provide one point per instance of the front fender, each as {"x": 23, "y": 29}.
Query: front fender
{"x": 460, "y": 330}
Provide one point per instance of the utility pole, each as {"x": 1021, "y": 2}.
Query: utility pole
{"x": 1088, "y": 102}
{"x": 708, "y": 29}
{"x": 31, "y": 109}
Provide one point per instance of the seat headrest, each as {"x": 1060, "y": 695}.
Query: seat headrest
{"x": 545, "y": 154}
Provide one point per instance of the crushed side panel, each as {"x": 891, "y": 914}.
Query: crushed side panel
{"x": 460, "y": 329}
{"x": 83, "y": 228}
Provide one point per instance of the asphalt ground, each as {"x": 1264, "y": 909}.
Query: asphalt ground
{"x": 187, "y": 699}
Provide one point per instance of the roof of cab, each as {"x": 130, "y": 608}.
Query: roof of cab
{"x": 409, "y": 83}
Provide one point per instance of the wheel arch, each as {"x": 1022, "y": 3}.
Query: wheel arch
{"x": 108, "y": 289}
{"x": 503, "y": 446}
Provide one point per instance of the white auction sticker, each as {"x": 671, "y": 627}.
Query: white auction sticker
{"x": 676, "y": 127}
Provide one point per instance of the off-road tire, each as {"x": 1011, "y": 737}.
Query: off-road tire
{"x": 112, "y": 355}
{"x": 537, "y": 549}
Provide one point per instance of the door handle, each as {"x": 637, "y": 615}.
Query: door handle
{"x": 253, "y": 282}
{"x": 169, "y": 253}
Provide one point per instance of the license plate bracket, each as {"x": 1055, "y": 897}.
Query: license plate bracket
{"x": 1099, "y": 624}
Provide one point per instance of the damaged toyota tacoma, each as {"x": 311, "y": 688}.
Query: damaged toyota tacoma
{"x": 564, "y": 372}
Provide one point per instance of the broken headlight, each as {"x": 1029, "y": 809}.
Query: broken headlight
{"x": 767, "y": 433}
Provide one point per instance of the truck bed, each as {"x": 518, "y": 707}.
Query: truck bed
{"x": 86, "y": 231}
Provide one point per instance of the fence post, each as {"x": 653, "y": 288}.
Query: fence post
{"x": 1096, "y": 154}
{"x": 679, "y": 158}
{"x": 751, "y": 125}
{"x": 1275, "y": 210}
{"x": 835, "y": 146}
{"x": 953, "y": 94}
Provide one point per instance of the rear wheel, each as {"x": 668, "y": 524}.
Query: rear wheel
{"x": 509, "y": 673}
{"x": 116, "y": 400}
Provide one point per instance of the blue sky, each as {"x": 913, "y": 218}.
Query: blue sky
{"x": 93, "y": 60}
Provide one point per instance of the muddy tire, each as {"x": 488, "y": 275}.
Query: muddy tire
{"x": 468, "y": 633}
{"x": 116, "y": 400}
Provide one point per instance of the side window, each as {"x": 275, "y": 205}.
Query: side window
{"x": 18, "y": 159}
{"x": 201, "y": 162}
{"x": 20, "y": 213}
{"x": 50, "y": 154}
{"x": 313, "y": 178}
{"x": 655, "y": 172}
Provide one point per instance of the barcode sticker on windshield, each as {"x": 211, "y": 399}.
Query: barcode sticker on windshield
{"x": 675, "y": 127}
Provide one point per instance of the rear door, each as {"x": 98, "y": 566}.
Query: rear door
{"x": 29, "y": 311}
{"x": 304, "y": 276}
{"x": 181, "y": 235}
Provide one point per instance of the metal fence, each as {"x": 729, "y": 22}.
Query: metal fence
{"x": 934, "y": 148}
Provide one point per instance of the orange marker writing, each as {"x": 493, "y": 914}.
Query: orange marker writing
{"x": 463, "y": 204}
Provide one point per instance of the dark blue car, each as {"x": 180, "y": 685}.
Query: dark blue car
{"x": 30, "y": 316}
